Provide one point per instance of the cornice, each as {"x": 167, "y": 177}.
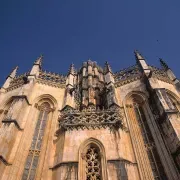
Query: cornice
{"x": 49, "y": 83}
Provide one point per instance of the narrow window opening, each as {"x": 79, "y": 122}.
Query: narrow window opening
{"x": 36, "y": 143}
{"x": 93, "y": 164}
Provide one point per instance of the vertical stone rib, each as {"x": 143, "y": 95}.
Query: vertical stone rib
{"x": 163, "y": 153}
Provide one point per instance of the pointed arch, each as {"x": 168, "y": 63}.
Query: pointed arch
{"x": 138, "y": 117}
{"x": 138, "y": 95}
{"x": 45, "y": 106}
{"x": 92, "y": 147}
{"x": 174, "y": 99}
{"x": 46, "y": 98}
{"x": 172, "y": 94}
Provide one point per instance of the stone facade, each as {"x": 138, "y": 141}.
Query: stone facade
{"x": 91, "y": 124}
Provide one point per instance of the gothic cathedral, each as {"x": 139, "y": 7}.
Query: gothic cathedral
{"x": 91, "y": 124}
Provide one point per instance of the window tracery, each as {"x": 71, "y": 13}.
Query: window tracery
{"x": 92, "y": 161}
{"x": 155, "y": 162}
{"x": 93, "y": 164}
{"x": 36, "y": 143}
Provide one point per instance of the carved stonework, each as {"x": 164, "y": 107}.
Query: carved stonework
{"x": 18, "y": 81}
{"x": 160, "y": 74}
{"x": 91, "y": 118}
{"x": 93, "y": 164}
{"x": 128, "y": 75}
{"x": 52, "y": 79}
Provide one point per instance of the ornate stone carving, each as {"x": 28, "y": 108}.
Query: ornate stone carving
{"x": 52, "y": 79}
{"x": 93, "y": 164}
{"x": 128, "y": 75}
{"x": 18, "y": 82}
{"x": 160, "y": 74}
{"x": 133, "y": 73}
{"x": 91, "y": 118}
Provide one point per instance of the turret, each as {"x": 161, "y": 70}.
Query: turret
{"x": 36, "y": 66}
{"x": 170, "y": 74}
{"x": 142, "y": 63}
{"x": 109, "y": 83}
{"x": 11, "y": 76}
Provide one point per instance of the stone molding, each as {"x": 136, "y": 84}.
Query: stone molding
{"x": 9, "y": 121}
{"x": 64, "y": 163}
{"x": 3, "y": 160}
{"x": 122, "y": 160}
{"x": 22, "y": 97}
{"x": 52, "y": 79}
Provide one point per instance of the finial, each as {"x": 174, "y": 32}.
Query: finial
{"x": 71, "y": 69}
{"x": 90, "y": 62}
{"x": 39, "y": 60}
{"x": 107, "y": 68}
{"x": 163, "y": 64}
{"x": 14, "y": 72}
{"x": 138, "y": 55}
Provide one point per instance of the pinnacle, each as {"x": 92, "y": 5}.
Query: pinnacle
{"x": 71, "y": 69}
{"x": 163, "y": 64}
{"x": 138, "y": 55}
{"x": 107, "y": 68}
{"x": 39, "y": 60}
{"x": 14, "y": 72}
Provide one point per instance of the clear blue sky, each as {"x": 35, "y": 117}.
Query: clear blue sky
{"x": 67, "y": 31}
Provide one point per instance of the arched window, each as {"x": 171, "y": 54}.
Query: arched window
{"x": 35, "y": 149}
{"x": 92, "y": 161}
{"x": 153, "y": 155}
{"x": 138, "y": 109}
{"x": 174, "y": 100}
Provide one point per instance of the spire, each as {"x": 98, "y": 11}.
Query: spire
{"x": 163, "y": 64}
{"x": 71, "y": 69}
{"x": 142, "y": 63}
{"x": 138, "y": 55}
{"x": 107, "y": 68}
{"x": 39, "y": 60}
{"x": 13, "y": 72}
{"x": 36, "y": 66}
{"x": 11, "y": 76}
{"x": 108, "y": 74}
